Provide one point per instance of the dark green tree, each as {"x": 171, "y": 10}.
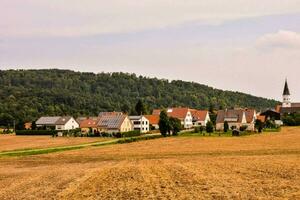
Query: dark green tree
{"x": 175, "y": 125}
{"x": 125, "y": 108}
{"x": 164, "y": 123}
{"x": 226, "y": 126}
{"x": 209, "y": 127}
{"x": 259, "y": 125}
{"x": 140, "y": 108}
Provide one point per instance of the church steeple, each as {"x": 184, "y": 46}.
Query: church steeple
{"x": 286, "y": 90}
{"x": 286, "y": 96}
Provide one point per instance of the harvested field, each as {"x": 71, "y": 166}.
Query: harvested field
{"x": 256, "y": 167}
{"x": 13, "y": 142}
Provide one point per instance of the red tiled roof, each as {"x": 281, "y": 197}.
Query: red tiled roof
{"x": 156, "y": 112}
{"x": 88, "y": 123}
{"x": 199, "y": 115}
{"x": 179, "y": 113}
{"x": 153, "y": 119}
{"x": 250, "y": 115}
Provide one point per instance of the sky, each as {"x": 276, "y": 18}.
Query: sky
{"x": 249, "y": 46}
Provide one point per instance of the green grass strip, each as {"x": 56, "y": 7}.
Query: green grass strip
{"x": 75, "y": 147}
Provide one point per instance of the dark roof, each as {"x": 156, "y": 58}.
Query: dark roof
{"x": 111, "y": 121}
{"x": 50, "y": 121}
{"x": 286, "y": 90}
{"x": 63, "y": 120}
{"x": 235, "y": 115}
{"x": 287, "y": 110}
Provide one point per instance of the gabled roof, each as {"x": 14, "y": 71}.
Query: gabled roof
{"x": 50, "y": 121}
{"x": 199, "y": 115}
{"x": 109, "y": 113}
{"x": 63, "y": 120}
{"x": 80, "y": 119}
{"x": 250, "y": 114}
{"x": 153, "y": 119}
{"x": 228, "y": 115}
{"x": 111, "y": 121}
{"x": 286, "y": 110}
{"x": 88, "y": 123}
{"x": 286, "y": 90}
{"x": 295, "y": 104}
{"x": 179, "y": 113}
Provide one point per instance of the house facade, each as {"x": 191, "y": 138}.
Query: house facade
{"x": 153, "y": 121}
{"x": 89, "y": 125}
{"x": 57, "y": 123}
{"x": 183, "y": 114}
{"x": 140, "y": 123}
{"x": 200, "y": 117}
{"x": 114, "y": 122}
{"x": 236, "y": 118}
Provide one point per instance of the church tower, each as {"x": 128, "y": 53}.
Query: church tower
{"x": 286, "y": 96}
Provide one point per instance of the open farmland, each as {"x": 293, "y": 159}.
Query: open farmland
{"x": 255, "y": 167}
{"x": 13, "y": 142}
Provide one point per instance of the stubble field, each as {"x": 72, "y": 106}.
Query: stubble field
{"x": 255, "y": 167}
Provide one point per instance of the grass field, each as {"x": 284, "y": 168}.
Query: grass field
{"x": 263, "y": 166}
{"x": 13, "y": 142}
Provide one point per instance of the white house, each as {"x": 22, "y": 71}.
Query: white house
{"x": 66, "y": 123}
{"x": 236, "y": 119}
{"x": 140, "y": 123}
{"x": 183, "y": 114}
{"x": 200, "y": 117}
{"x": 58, "y": 123}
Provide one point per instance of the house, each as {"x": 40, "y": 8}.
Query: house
{"x": 183, "y": 114}
{"x": 113, "y": 122}
{"x": 153, "y": 121}
{"x": 28, "y": 125}
{"x": 271, "y": 115}
{"x": 287, "y": 107}
{"x": 89, "y": 125}
{"x": 140, "y": 123}
{"x": 57, "y": 123}
{"x": 200, "y": 117}
{"x": 236, "y": 118}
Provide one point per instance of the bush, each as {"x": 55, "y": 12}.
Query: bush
{"x": 209, "y": 127}
{"x": 131, "y": 133}
{"x": 226, "y": 127}
{"x": 243, "y": 128}
{"x": 36, "y": 132}
{"x": 197, "y": 129}
{"x": 235, "y": 133}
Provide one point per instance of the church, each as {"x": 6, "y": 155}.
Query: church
{"x": 287, "y": 106}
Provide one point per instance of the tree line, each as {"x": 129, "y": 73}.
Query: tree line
{"x": 25, "y": 95}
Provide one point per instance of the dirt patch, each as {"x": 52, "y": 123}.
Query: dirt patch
{"x": 255, "y": 167}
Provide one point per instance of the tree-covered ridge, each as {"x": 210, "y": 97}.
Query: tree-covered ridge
{"x": 27, "y": 94}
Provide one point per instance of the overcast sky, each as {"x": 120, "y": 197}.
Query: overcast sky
{"x": 242, "y": 45}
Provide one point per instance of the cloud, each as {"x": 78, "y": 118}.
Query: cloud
{"x": 281, "y": 39}
{"x": 77, "y": 17}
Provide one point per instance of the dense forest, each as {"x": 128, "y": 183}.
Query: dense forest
{"x": 27, "y": 94}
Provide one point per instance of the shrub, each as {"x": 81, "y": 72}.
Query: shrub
{"x": 226, "y": 126}
{"x": 36, "y": 132}
{"x": 235, "y": 133}
{"x": 197, "y": 129}
{"x": 131, "y": 133}
{"x": 209, "y": 127}
{"x": 243, "y": 128}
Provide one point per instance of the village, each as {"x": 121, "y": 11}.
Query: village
{"x": 118, "y": 123}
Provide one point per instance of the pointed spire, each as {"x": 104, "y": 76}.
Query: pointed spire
{"x": 286, "y": 90}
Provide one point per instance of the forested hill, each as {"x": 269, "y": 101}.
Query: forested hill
{"x": 28, "y": 94}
